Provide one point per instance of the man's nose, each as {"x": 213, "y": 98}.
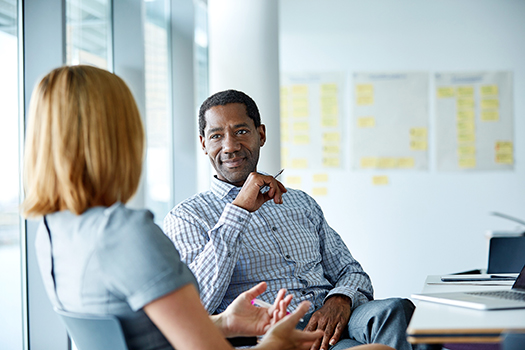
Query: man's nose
{"x": 230, "y": 144}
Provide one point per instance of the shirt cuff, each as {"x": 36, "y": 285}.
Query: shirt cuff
{"x": 357, "y": 297}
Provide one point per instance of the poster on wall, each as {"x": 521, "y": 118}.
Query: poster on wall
{"x": 474, "y": 121}
{"x": 312, "y": 121}
{"x": 389, "y": 122}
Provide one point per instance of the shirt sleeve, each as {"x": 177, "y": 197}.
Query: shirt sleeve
{"x": 138, "y": 261}
{"x": 211, "y": 254}
{"x": 339, "y": 266}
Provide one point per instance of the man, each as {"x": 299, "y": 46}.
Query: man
{"x": 249, "y": 228}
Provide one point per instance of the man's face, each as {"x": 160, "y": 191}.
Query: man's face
{"x": 232, "y": 142}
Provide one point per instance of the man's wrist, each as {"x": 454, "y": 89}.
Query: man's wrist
{"x": 339, "y": 298}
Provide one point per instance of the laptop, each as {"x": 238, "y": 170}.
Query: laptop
{"x": 483, "y": 300}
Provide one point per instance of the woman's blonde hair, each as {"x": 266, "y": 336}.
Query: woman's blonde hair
{"x": 84, "y": 142}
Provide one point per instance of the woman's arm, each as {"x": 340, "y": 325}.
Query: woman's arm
{"x": 184, "y": 322}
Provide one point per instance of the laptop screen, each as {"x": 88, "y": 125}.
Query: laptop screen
{"x": 520, "y": 280}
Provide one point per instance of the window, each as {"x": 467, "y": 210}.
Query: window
{"x": 158, "y": 172}
{"x": 88, "y": 32}
{"x": 10, "y": 221}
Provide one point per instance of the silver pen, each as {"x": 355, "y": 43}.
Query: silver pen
{"x": 265, "y": 187}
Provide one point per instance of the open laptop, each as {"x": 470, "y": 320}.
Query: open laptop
{"x": 483, "y": 300}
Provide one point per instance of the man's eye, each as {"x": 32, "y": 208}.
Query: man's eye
{"x": 215, "y": 136}
{"x": 242, "y": 132}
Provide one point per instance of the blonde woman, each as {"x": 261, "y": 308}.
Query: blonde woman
{"x": 83, "y": 161}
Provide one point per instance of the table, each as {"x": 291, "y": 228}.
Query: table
{"x": 434, "y": 323}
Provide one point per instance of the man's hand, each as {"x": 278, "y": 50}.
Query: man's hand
{"x": 241, "y": 318}
{"x": 332, "y": 318}
{"x": 250, "y": 197}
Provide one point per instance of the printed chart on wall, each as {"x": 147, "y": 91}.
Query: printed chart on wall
{"x": 474, "y": 121}
{"x": 312, "y": 127}
{"x": 390, "y": 121}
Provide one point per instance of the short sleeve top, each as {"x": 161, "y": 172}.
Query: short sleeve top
{"x": 112, "y": 261}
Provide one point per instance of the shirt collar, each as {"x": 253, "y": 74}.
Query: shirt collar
{"x": 222, "y": 189}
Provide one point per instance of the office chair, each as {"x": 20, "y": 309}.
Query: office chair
{"x": 506, "y": 254}
{"x": 513, "y": 341}
{"x": 90, "y": 332}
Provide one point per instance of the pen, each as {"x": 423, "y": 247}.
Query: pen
{"x": 265, "y": 187}
{"x": 261, "y": 303}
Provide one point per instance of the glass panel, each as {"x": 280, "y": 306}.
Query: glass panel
{"x": 88, "y": 32}
{"x": 158, "y": 109}
{"x": 10, "y": 262}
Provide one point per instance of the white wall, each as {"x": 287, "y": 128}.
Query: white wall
{"x": 423, "y": 222}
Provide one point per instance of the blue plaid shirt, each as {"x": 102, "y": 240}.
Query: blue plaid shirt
{"x": 289, "y": 245}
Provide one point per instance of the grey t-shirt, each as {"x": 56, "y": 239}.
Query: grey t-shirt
{"x": 111, "y": 261}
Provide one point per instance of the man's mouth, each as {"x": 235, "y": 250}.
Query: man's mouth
{"x": 233, "y": 163}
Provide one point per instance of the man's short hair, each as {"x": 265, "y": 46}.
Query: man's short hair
{"x": 226, "y": 97}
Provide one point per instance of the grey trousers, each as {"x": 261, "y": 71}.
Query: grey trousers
{"x": 378, "y": 321}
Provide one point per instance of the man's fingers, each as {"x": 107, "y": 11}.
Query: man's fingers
{"x": 328, "y": 332}
{"x": 337, "y": 334}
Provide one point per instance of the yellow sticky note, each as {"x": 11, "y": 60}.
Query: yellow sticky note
{"x": 380, "y": 180}
{"x": 327, "y": 89}
{"x": 285, "y": 135}
{"x": 319, "y": 191}
{"x": 285, "y": 163}
{"x": 330, "y": 109}
{"x": 489, "y": 103}
{"x": 466, "y": 125}
{"x": 301, "y": 126}
{"x": 285, "y": 152}
{"x": 300, "y": 107}
{"x": 299, "y": 163}
{"x": 368, "y": 162}
{"x": 320, "y": 177}
{"x": 504, "y": 158}
{"x": 364, "y": 89}
{"x": 465, "y": 114}
{"x": 300, "y": 89}
{"x": 504, "y": 147}
{"x": 300, "y": 102}
{"x": 293, "y": 180}
{"x": 284, "y": 113}
{"x": 465, "y": 91}
{"x": 418, "y": 133}
{"x": 445, "y": 92}
{"x": 365, "y": 100}
{"x": 331, "y": 137}
{"x": 489, "y": 116}
{"x": 285, "y": 125}
{"x": 469, "y": 162}
{"x": 329, "y": 121}
{"x": 285, "y": 90}
{"x": 331, "y": 162}
{"x": 466, "y": 150}
{"x": 489, "y": 89}
{"x": 328, "y": 100}
{"x": 366, "y": 122}
{"x": 416, "y": 145}
{"x": 300, "y": 112}
{"x": 406, "y": 163}
{"x": 387, "y": 163}
{"x": 465, "y": 102}
{"x": 331, "y": 149}
{"x": 466, "y": 137}
{"x": 301, "y": 139}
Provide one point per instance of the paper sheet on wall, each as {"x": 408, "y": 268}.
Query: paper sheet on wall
{"x": 390, "y": 121}
{"x": 312, "y": 123}
{"x": 474, "y": 121}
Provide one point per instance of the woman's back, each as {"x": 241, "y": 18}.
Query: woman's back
{"x": 111, "y": 261}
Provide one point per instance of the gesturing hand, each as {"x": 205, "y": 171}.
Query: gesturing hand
{"x": 251, "y": 198}
{"x": 241, "y": 318}
{"x": 332, "y": 318}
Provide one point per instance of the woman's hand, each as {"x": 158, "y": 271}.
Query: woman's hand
{"x": 284, "y": 336}
{"x": 242, "y": 318}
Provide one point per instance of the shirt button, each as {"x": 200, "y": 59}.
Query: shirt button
{"x": 274, "y": 228}
{"x": 241, "y": 219}
{"x": 288, "y": 256}
{"x": 229, "y": 254}
{"x": 303, "y": 292}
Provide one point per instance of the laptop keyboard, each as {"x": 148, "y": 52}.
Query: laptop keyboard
{"x": 505, "y": 294}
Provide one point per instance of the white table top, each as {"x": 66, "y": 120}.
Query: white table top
{"x": 438, "y": 323}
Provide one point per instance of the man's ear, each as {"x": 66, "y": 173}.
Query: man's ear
{"x": 262, "y": 134}
{"x": 203, "y": 144}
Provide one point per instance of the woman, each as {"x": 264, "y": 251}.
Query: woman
{"x": 83, "y": 160}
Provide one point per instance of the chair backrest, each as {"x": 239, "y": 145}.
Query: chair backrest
{"x": 513, "y": 341}
{"x": 90, "y": 332}
{"x": 506, "y": 254}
